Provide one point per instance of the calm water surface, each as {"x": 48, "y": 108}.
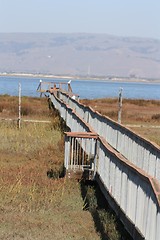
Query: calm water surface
{"x": 84, "y": 88}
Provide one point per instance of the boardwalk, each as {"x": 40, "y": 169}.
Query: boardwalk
{"x": 126, "y": 166}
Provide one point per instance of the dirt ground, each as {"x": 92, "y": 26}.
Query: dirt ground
{"x": 142, "y": 116}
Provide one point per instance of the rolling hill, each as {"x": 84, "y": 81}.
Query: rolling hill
{"x": 79, "y": 54}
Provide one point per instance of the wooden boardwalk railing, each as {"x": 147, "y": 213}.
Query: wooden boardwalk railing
{"x": 126, "y": 166}
{"x": 141, "y": 152}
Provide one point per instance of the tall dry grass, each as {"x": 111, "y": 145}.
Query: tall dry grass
{"x": 29, "y": 139}
{"x": 32, "y": 205}
{"x": 135, "y": 112}
{"x": 25, "y": 157}
{"x": 30, "y": 107}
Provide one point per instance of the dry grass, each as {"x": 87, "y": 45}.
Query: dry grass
{"x": 33, "y": 206}
{"x": 31, "y": 107}
{"x": 145, "y": 113}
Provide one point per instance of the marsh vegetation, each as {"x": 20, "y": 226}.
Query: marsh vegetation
{"x": 32, "y": 205}
{"x": 35, "y": 201}
{"x": 142, "y": 116}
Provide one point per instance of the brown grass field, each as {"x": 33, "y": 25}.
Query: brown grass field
{"x": 33, "y": 206}
{"x": 142, "y": 116}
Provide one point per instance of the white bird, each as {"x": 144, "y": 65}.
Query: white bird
{"x": 69, "y": 81}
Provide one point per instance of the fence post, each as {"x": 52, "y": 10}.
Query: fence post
{"x": 120, "y": 105}
{"x": 19, "y": 107}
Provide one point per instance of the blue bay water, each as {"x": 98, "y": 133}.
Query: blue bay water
{"x": 84, "y": 88}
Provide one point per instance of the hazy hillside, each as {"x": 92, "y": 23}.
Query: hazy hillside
{"x": 79, "y": 54}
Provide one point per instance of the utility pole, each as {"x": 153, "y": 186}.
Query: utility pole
{"x": 120, "y": 105}
{"x": 19, "y": 107}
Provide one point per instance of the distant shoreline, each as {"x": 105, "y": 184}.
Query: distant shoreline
{"x": 110, "y": 79}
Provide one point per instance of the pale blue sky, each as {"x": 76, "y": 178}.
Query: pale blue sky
{"x": 140, "y": 18}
